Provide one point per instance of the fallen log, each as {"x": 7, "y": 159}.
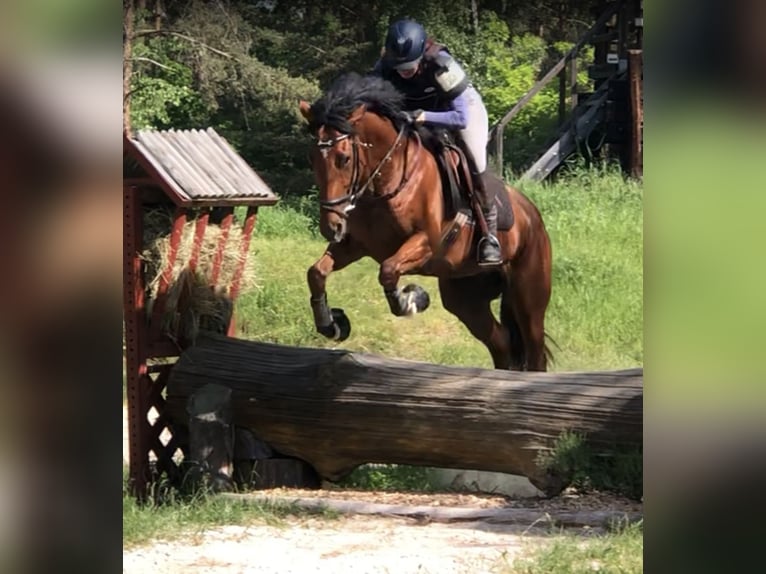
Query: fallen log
{"x": 337, "y": 409}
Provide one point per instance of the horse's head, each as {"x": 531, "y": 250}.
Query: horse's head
{"x": 341, "y": 164}
{"x": 336, "y": 165}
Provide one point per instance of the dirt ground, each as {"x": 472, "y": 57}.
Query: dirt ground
{"x": 353, "y": 544}
{"x": 371, "y": 544}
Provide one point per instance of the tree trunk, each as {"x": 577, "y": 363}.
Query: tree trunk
{"x": 336, "y": 409}
{"x": 128, "y": 18}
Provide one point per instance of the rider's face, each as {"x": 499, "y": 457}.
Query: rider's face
{"x": 409, "y": 69}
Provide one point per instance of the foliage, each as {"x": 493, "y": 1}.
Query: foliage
{"x": 618, "y": 470}
{"x": 163, "y": 88}
{"x": 389, "y": 477}
{"x": 241, "y": 67}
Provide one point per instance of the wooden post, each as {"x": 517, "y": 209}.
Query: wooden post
{"x": 138, "y": 382}
{"x": 635, "y": 66}
{"x": 573, "y": 82}
{"x": 499, "y": 150}
{"x": 562, "y": 95}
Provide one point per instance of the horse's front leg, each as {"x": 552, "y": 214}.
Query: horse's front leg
{"x": 413, "y": 254}
{"x": 332, "y": 323}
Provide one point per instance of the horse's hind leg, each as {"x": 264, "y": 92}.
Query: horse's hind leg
{"x": 469, "y": 298}
{"x": 529, "y": 294}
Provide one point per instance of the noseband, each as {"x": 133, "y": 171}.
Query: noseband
{"x": 355, "y": 191}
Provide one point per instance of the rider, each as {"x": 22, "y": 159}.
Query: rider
{"x": 437, "y": 91}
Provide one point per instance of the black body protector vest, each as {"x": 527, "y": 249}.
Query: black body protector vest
{"x": 440, "y": 80}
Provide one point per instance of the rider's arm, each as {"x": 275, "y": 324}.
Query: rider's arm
{"x": 456, "y": 118}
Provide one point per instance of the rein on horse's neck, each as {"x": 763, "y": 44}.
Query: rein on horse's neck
{"x": 382, "y": 176}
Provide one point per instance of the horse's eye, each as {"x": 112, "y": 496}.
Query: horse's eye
{"x": 341, "y": 160}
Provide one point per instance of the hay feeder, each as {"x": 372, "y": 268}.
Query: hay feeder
{"x": 186, "y": 261}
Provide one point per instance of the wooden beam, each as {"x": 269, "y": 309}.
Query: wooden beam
{"x": 635, "y": 71}
{"x": 425, "y": 514}
{"x": 135, "y": 338}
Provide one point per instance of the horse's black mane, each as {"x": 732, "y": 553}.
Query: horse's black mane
{"x": 348, "y": 92}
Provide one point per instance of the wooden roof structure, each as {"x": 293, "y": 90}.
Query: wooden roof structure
{"x": 197, "y": 168}
{"x": 199, "y": 176}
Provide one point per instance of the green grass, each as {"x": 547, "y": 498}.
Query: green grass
{"x": 594, "y": 218}
{"x": 617, "y": 469}
{"x": 172, "y": 515}
{"x": 619, "y": 552}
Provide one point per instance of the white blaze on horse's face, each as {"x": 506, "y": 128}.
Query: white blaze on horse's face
{"x": 335, "y": 176}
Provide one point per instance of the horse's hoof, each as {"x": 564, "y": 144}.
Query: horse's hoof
{"x": 417, "y": 297}
{"x": 341, "y": 323}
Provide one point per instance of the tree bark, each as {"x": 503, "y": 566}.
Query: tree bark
{"x": 337, "y": 409}
{"x": 128, "y": 18}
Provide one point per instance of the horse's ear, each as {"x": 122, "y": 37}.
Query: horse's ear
{"x": 305, "y": 110}
{"x": 357, "y": 114}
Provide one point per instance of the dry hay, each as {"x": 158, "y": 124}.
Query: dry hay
{"x": 193, "y": 303}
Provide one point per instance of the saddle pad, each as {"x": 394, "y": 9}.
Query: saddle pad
{"x": 504, "y": 210}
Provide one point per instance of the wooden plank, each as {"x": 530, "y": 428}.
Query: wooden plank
{"x": 261, "y": 201}
{"x": 635, "y": 71}
{"x": 573, "y": 87}
{"x": 221, "y": 247}
{"x": 244, "y": 247}
{"x": 425, "y": 514}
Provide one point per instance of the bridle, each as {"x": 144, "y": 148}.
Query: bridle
{"x": 355, "y": 191}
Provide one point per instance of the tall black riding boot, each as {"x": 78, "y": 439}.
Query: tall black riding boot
{"x": 489, "y": 252}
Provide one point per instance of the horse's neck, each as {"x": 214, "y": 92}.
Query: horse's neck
{"x": 395, "y": 166}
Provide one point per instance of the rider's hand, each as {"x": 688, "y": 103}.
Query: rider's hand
{"x": 415, "y": 117}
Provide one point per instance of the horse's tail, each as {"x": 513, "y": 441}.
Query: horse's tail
{"x": 508, "y": 320}
{"x": 549, "y": 357}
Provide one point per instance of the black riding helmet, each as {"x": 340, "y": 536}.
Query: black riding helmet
{"x": 405, "y": 44}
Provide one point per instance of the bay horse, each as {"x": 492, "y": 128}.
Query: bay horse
{"x": 380, "y": 193}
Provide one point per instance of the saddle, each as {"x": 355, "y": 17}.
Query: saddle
{"x": 457, "y": 183}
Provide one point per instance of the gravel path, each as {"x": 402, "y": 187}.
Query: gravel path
{"x": 353, "y": 545}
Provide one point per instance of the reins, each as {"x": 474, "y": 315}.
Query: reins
{"x": 355, "y": 191}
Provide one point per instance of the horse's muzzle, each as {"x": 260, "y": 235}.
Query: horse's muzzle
{"x": 334, "y": 229}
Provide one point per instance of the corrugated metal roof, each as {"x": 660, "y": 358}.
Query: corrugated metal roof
{"x": 200, "y": 167}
